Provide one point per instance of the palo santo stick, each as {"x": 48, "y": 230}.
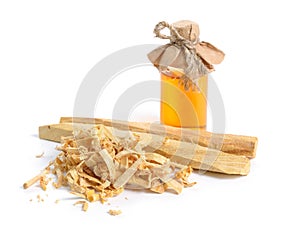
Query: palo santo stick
{"x": 200, "y": 158}
{"x": 234, "y": 144}
{"x": 184, "y": 153}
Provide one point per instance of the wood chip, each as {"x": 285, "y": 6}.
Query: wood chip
{"x": 80, "y": 202}
{"x": 44, "y": 182}
{"x": 39, "y": 198}
{"x": 40, "y": 155}
{"x": 114, "y": 212}
{"x": 35, "y": 179}
{"x": 84, "y": 204}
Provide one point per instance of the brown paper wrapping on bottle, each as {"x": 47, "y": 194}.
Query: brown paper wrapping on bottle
{"x": 185, "y": 51}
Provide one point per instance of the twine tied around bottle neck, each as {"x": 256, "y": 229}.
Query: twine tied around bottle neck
{"x": 185, "y": 52}
{"x": 174, "y": 36}
{"x": 187, "y": 39}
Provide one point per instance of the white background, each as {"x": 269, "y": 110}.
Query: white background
{"x": 47, "y": 48}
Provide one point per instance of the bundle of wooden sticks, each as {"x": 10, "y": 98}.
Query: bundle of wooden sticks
{"x": 202, "y": 150}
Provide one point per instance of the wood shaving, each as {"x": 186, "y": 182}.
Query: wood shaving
{"x": 40, "y": 155}
{"x": 114, "y": 212}
{"x": 44, "y": 182}
{"x": 36, "y": 178}
{"x": 99, "y": 162}
{"x": 84, "y": 204}
{"x": 183, "y": 175}
{"x": 39, "y": 198}
{"x": 80, "y": 202}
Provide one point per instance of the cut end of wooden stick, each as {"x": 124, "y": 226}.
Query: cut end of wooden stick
{"x": 55, "y": 132}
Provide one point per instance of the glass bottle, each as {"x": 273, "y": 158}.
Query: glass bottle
{"x": 180, "y": 107}
{"x": 181, "y": 62}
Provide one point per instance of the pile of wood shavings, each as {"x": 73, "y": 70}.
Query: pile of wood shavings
{"x": 97, "y": 164}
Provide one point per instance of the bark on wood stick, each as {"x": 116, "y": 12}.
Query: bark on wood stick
{"x": 183, "y": 153}
{"x": 234, "y": 144}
